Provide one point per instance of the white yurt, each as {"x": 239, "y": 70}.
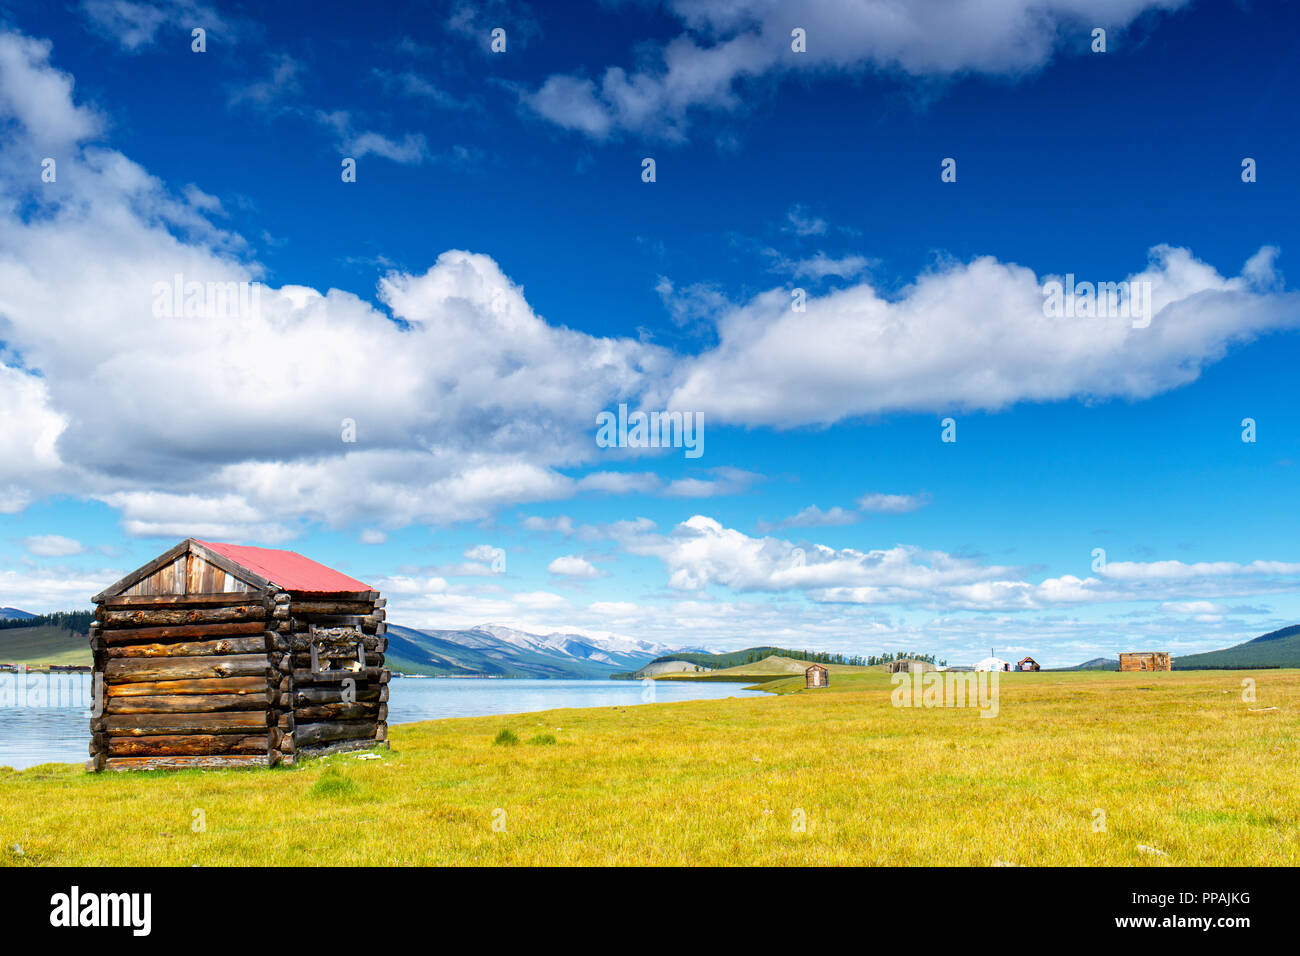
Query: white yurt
{"x": 993, "y": 664}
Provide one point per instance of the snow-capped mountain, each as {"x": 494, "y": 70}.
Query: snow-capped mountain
{"x": 607, "y": 648}
{"x": 497, "y": 650}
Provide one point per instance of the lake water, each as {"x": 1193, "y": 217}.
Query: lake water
{"x": 45, "y": 719}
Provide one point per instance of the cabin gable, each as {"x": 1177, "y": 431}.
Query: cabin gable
{"x": 188, "y": 568}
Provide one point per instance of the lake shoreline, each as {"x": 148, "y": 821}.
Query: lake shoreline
{"x": 41, "y": 734}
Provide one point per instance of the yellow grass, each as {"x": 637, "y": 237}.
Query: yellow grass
{"x": 1177, "y": 762}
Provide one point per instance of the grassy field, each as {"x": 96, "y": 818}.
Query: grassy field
{"x": 1178, "y": 763}
{"x": 42, "y": 646}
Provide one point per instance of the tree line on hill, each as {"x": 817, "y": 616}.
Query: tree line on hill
{"x": 753, "y": 655}
{"x": 76, "y": 621}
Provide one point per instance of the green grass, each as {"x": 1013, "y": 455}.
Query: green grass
{"x": 1177, "y": 761}
{"x": 42, "y": 646}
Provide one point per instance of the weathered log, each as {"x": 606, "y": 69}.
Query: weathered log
{"x": 381, "y": 732}
{"x": 143, "y": 725}
{"x": 221, "y": 599}
{"x": 287, "y": 722}
{"x": 96, "y": 763}
{"x": 314, "y": 608}
{"x": 134, "y": 670}
{"x": 152, "y": 618}
{"x": 345, "y": 656}
{"x": 302, "y": 641}
{"x": 252, "y": 686}
{"x": 158, "y": 634}
{"x": 198, "y": 745}
{"x": 307, "y": 734}
{"x": 367, "y": 622}
{"x": 287, "y": 744}
{"x": 254, "y": 644}
{"x": 306, "y": 696}
{"x": 195, "y": 704}
{"x": 333, "y": 595}
{"x": 357, "y": 711}
{"x": 307, "y": 678}
{"x": 183, "y": 763}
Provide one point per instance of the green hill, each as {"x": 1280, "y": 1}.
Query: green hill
{"x": 1280, "y": 648}
{"x": 43, "y": 645}
{"x": 773, "y": 667}
{"x": 754, "y": 655}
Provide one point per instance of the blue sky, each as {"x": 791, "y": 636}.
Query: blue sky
{"x": 499, "y": 273}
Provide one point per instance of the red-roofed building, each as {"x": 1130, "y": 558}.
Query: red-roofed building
{"x": 215, "y": 655}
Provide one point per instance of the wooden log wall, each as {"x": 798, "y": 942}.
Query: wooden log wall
{"x": 186, "y": 680}
{"x": 320, "y": 711}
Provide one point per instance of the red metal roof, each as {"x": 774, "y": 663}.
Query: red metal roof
{"x": 287, "y": 569}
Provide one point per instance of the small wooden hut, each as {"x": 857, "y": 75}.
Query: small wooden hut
{"x": 816, "y": 676}
{"x": 1027, "y": 664}
{"x": 905, "y": 665}
{"x": 218, "y": 655}
{"x": 1146, "y": 661}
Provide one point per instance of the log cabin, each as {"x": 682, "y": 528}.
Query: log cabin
{"x": 905, "y": 665}
{"x": 816, "y": 676}
{"x": 1146, "y": 661}
{"x": 223, "y": 655}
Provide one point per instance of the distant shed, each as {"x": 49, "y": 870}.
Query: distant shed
{"x": 1146, "y": 661}
{"x": 218, "y": 655}
{"x": 905, "y": 665}
{"x": 816, "y": 676}
{"x": 1027, "y": 664}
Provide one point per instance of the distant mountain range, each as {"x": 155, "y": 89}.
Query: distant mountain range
{"x": 492, "y": 650}
{"x": 13, "y": 614}
{"x": 1096, "y": 664}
